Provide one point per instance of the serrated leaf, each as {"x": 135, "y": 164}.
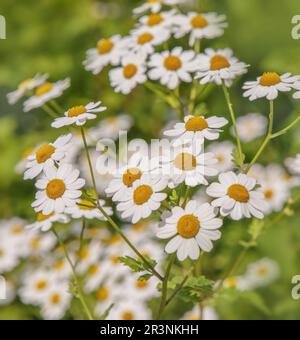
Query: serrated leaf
{"x": 196, "y": 289}
{"x": 145, "y": 277}
{"x": 137, "y": 265}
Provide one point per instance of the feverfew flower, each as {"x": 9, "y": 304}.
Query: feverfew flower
{"x": 269, "y": 85}
{"x": 79, "y": 115}
{"x": 143, "y": 40}
{"x": 58, "y": 189}
{"x": 154, "y": 5}
{"x": 188, "y": 165}
{"x": 158, "y": 20}
{"x": 88, "y": 210}
{"x": 45, "y": 93}
{"x": 196, "y": 129}
{"x": 25, "y": 87}
{"x": 143, "y": 198}
{"x": 45, "y": 222}
{"x": 293, "y": 164}
{"x": 251, "y": 126}
{"x": 236, "y": 196}
{"x": 219, "y": 66}
{"x": 129, "y": 310}
{"x": 171, "y": 67}
{"x": 199, "y": 26}
{"x": 297, "y": 87}
{"x": 262, "y": 273}
{"x": 223, "y": 153}
{"x": 132, "y": 72}
{"x": 192, "y": 229}
{"x": 108, "y": 51}
{"x": 47, "y": 155}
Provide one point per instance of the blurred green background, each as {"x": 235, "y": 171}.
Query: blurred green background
{"x": 52, "y": 36}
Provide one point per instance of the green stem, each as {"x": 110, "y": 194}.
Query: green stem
{"x": 108, "y": 218}
{"x": 75, "y": 277}
{"x": 286, "y": 129}
{"x": 57, "y": 107}
{"x": 266, "y": 140}
{"x": 49, "y": 110}
{"x": 165, "y": 287}
{"x": 178, "y": 289}
{"x": 233, "y": 119}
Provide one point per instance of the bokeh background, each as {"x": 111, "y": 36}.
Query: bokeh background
{"x": 52, "y": 36}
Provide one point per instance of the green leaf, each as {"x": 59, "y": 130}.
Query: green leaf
{"x": 174, "y": 196}
{"x": 137, "y": 265}
{"x": 196, "y": 289}
{"x": 145, "y": 277}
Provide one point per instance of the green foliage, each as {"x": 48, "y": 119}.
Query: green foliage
{"x": 137, "y": 265}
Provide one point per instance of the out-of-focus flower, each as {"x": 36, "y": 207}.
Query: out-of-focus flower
{"x": 199, "y": 26}
{"x": 293, "y": 165}
{"x": 155, "y": 5}
{"x": 209, "y": 314}
{"x": 191, "y": 229}
{"x": 217, "y": 66}
{"x": 88, "y": 210}
{"x": 223, "y": 153}
{"x": 158, "y": 20}
{"x": 129, "y": 310}
{"x": 46, "y": 92}
{"x": 25, "y": 87}
{"x": 45, "y": 222}
{"x": 251, "y": 126}
{"x": 236, "y": 196}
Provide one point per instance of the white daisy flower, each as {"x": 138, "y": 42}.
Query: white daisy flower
{"x": 269, "y": 85}
{"x": 262, "y": 273}
{"x": 107, "y": 294}
{"x": 10, "y": 293}
{"x": 9, "y": 257}
{"x": 143, "y": 40}
{"x": 223, "y": 153}
{"x": 88, "y": 256}
{"x": 143, "y": 198}
{"x": 88, "y": 210}
{"x": 293, "y": 165}
{"x": 132, "y": 72}
{"x": 208, "y": 314}
{"x": 25, "y": 87}
{"x": 192, "y": 229}
{"x": 126, "y": 176}
{"x": 296, "y": 86}
{"x": 107, "y": 52}
{"x": 275, "y": 194}
{"x": 158, "y": 20}
{"x": 251, "y": 126}
{"x": 129, "y": 310}
{"x": 46, "y": 92}
{"x": 79, "y": 115}
{"x": 216, "y": 66}
{"x": 142, "y": 290}
{"x": 155, "y": 5}
{"x": 45, "y": 222}
{"x": 61, "y": 268}
{"x": 56, "y": 302}
{"x": 58, "y": 189}
{"x": 236, "y": 196}
{"x": 188, "y": 165}
{"x": 199, "y": 26}
{"x": 111, "y": 127}
{"x": 196, "y": 129}
{"x": 47, "y": 155}
{"x": 171, "y": 67}
{"x": 95, "y": 276}
{"x": 37, "y": 244}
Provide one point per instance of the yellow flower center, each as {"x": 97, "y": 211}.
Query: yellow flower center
{"x": 131, "y": 175}
{"x": 104, "y": 46}
{"x": 55, "y": 299}
{"x": 44, "y": 153}
{"x": 238, "y": 193}
{"x": 84, "y": 254}
{"x": 269, "y": 194}
{"x": 196, "y": 124}
{"x": 172, "y": 63}
{"x": 269, "y": 79}
{"x": 59, "y": 265}
{"x": 17, "y": 229}
{"x": 41, "y": 217}
{"x": 231, "y": 282}
{"x": 140, "y": 284}
{"x": 128, "y": 315}
{"x": 55, "y": 189}
{"x": 86, "y": 205}
{"x": 35, "y": 243}
{"x": 218, "y": 62}
{"x": 154, "y": 19}
{"x": 93, "y": 270}
{"x": 199, "y": 21}
{"x": 102, "y": 294}
{"x": 263, "y": 271}
{"x": 76, "y": 111}
{"x": 43, "y": 89}
{"x": 41, "y": 285}
{"x": 142, "y": 194}
{"x": 188, "y": 226}
{"x": 1, "y": 252}
{"x": 185, "y": 161}
{"x": 145, "y": 38}
{"x": 129, "y": 71}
